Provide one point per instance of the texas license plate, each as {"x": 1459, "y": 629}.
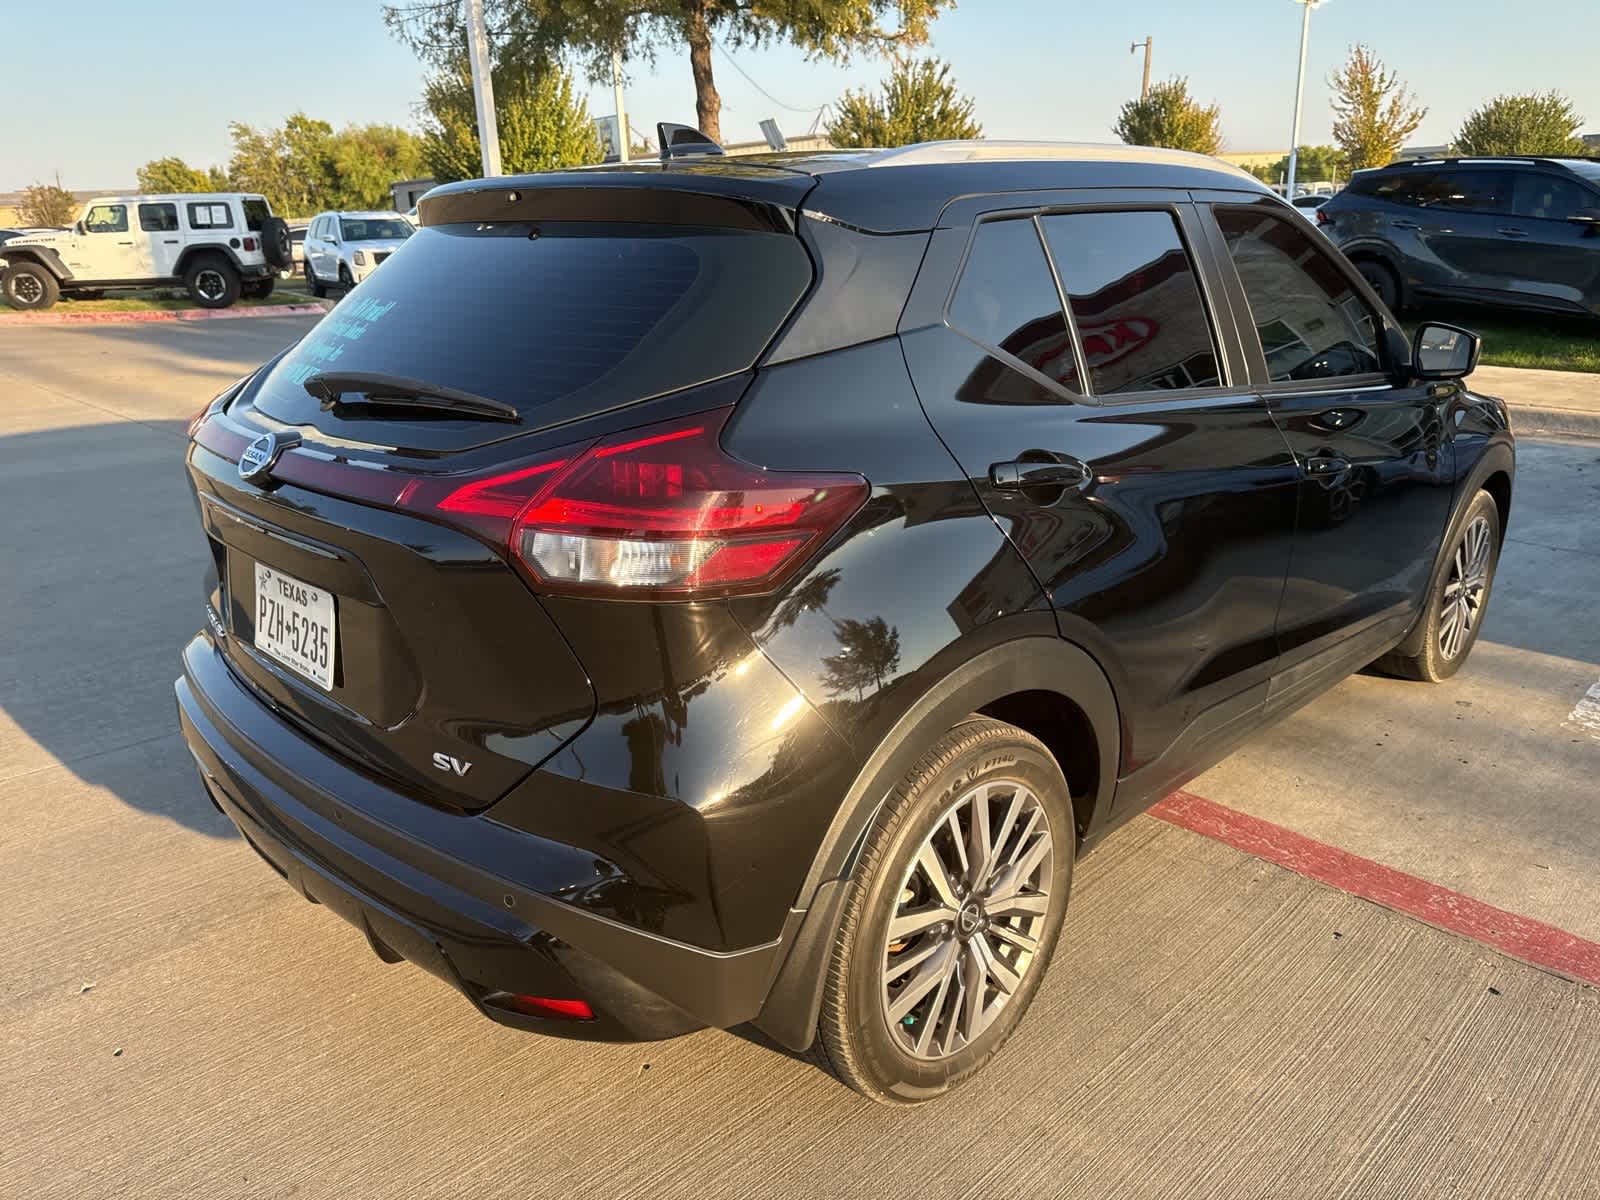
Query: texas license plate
{"x": 295, "y": 625}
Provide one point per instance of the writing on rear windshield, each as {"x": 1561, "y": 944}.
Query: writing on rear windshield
{"x": 345, "y": 324}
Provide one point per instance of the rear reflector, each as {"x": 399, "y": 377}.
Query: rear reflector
{"x": 541, "y": 1006}
{"x": 653, "y": 513}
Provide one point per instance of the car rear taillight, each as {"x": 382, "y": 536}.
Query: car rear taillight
{"x": 658, "y": 512}
{"x": 1323, "y": 218}
{"x": 249, "y": 243}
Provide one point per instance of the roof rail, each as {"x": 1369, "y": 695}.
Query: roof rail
{"x": 1002, "y": 150}
{"x": 1544, "y": 160}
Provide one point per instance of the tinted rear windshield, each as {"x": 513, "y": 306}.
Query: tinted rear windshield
{"x": 558, "y": 319}
{"x": 256, "y": 213}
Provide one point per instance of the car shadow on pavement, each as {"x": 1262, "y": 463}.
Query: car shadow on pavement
{"x": 102, "y": 589}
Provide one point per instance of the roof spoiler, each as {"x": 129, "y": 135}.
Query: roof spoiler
{"x": 683, "y": 141}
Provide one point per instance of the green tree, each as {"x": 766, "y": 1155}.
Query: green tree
{"x": 1170, "y": 117}
{"x": 1536, "y": 123}
{"x": 173, "y": 175}
{"x": 1316, "y": 163}
{"x": 542, "y": 123}
{"x": 919, "y": 103}
{"x": 533, "y": 32}
{"x": 217, "y": 180}
{"x": 1374, "y": 112}
{"x": 48, "y": 205}
{"x": 366, "y": 159}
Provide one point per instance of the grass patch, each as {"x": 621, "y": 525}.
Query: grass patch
{"x": 287, "y": 291}
{"x": 1546, "y": 342}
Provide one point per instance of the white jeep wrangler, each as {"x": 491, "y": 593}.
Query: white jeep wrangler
{"x": 218, "y": 245}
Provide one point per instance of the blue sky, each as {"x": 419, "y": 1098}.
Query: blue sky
{"x": 161, "y": 83}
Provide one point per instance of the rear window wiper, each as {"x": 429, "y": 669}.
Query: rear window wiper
{"x": 331, "y": 387}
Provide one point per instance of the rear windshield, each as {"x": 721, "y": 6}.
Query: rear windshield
{"x": 256, "y": 213}
{"x": 374, "y": 229}
{"x": 557, "y": 319}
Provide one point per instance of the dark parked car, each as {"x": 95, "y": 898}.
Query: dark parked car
{"x": 746, "y": 601}
{"x": 1512, "y": 232}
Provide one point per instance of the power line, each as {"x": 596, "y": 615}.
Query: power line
{"x": 815, "y": 108}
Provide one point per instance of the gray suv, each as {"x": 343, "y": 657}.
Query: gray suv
{"x": 1513, "y": 232}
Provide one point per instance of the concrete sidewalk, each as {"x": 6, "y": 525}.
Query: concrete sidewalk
{"x": 1560, "y": 402}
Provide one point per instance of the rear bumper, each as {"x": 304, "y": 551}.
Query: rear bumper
{"x": 412, "y": 878}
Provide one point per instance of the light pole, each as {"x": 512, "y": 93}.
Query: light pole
{"x": 1299, "y": 94}
{"x": 1148, "y": 44}
{"x": 483, "y": 88}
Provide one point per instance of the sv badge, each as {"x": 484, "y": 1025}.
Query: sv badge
{"x": 455, "y": 766}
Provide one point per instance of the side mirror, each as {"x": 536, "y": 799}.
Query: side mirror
{"x": 1444, "y": 351}
{"x": 1586, "y": 216}
{"x": 79, "y": 228}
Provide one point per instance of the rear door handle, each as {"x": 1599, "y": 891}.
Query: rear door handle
{"x": 1327, "y": 464}
{"x": 170, "y": 241}
{"x": 1020, "y": 475}
{"x": 124, "y": 243}
{"x": 1512, "y": 233}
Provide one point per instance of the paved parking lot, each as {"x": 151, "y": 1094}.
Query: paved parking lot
{"x": 1215, "y": 1024}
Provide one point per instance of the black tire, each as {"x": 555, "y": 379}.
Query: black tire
{"x": 211, "y": 281}
{"x": 29, "y": 286}
{"x": 860, "y": 1039}
{"x": 1444, "y": 646}
{"x": 258, "y": 289}
{"x": 346, "y": 280}
{"x": 1382, "y": 279}
{"x": 276, "y": 247}
{"x": 314, "y": 285}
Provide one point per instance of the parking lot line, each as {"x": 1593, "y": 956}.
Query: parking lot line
{"x": 1523, "y": 938}
{"x": 1585, "y": 715}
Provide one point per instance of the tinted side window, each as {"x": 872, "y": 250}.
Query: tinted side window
{"x": 1548, "y": 197}
{"x": 1133, "y": 293}
{"x": 158, "y": 218}
{"x": 1313, "y": 324}
{"x": 107, "y": 218}
{"x": 1007, "y": 299}
{"x": 211, "y": 215}
{"x": 1470, "y": 190}
{"x": 1397, "y": 187}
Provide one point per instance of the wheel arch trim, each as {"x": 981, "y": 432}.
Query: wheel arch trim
{"x": 1024, "y": 664}
{"x": 44, "y": 256}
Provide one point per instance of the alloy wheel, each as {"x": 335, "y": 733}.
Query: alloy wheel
{"x": 210, "y": 284}
{"x": 969, "y": 919}
{"x": 27, "y": 289}
{"x": 1465, "y": 589}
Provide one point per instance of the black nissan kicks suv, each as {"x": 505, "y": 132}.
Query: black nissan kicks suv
{"x": 720, "y": 591}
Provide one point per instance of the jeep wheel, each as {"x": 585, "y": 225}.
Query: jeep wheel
{"x": 29, "y": 286}
{"x": 314, "y": 285}
{"x": 212, "y": 282}
{"x": 952, "y": 916}
{"x": 276, "y": 246}
{"x": 258, "y": 289}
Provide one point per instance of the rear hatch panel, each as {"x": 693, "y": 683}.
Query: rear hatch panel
{"x": 449, "y": 678}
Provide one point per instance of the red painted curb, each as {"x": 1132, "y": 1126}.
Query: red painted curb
{"x": 1520, "y": 937}
{"x": 176, "y": 314}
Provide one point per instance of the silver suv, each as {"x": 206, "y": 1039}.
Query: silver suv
{"x": 343, "y": 248}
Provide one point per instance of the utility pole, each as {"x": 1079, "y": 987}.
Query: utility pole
{"x": 623, "y": 135}
{"x": 483, "y": 88}
{"x": 1299, "y": 96}
{"x": 1149, "y": 45}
